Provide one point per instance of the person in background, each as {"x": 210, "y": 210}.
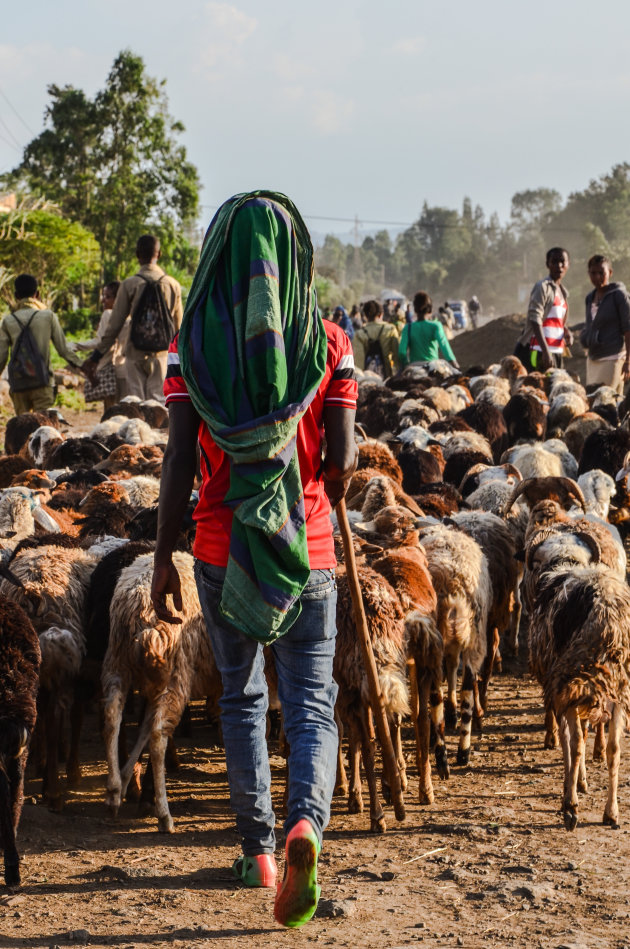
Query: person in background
{"x": 450, "y": 316}
{"x": 355, "y": 317}
{"x": 474, "y": 308}
{"x": 341, "y": 318}
{"x": 542, "y": 342}
{"x": 45, "y": 329}
{"x": 145, "y": 371}
{"x": 376, "y": 344}
{"x": 425, "y": 339}
{"x": 265, "y": 566}
{"x": 606, "y": 333}
{"x": 114, "y": 357}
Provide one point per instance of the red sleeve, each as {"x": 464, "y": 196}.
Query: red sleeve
{"x": 342, "y": 388}
{"x": 174, "y": 386}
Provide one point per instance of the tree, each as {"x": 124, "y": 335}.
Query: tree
{"x": 113, "y": 163}
{"x": 62, "y": 254}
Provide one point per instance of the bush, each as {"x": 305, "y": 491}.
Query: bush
{"x": 77, "y": 321}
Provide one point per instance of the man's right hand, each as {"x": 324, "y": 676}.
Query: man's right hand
{"x": 166, "y": 580}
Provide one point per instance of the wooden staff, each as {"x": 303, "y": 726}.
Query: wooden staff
{"x": 376, "y": 696}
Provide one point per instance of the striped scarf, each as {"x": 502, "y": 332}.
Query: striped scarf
{"x": 252, "y": 349}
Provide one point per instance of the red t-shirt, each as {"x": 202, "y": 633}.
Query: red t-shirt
{"x": 213, "y": 517}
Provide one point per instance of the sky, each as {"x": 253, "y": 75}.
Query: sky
{"x": 351, "y": 107}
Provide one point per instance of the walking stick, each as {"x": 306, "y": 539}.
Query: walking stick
{"x": 390, "y": 764}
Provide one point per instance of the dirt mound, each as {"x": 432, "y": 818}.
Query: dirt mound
{"x": 490, "y": 342}
{"x": 497, "y": 338}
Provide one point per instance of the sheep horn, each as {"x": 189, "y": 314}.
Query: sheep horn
{"x": 539, "y": 489}
{"x": 591, "y": 543}
{"x": 10, "y": 576}
{"x": 359, "y": 428}
{"x": 43, "y": 518}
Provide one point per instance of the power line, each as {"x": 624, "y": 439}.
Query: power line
{"x": 11, "y": 106}
{"x": 9, "y": 132}
{"x": 9, "y": 143}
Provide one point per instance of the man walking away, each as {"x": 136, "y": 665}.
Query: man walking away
{"x": 150, "y": 294}
{"x": 27, "y": 333}
{"x": 257, "y": 378}
{"x": 376, "y": 345}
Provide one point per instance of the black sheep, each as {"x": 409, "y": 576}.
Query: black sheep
{"x": 488, "y": 420}
{"x": 20, "y": 660}
{"x": 525, "y": 417}
{"x": 78, "y": 453}
{"x": 418, "y": 467}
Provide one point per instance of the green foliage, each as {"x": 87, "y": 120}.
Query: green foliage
{"x": 62, "y": 254}
{"x": 78, "y": 323}
{"x": 113, "y": 163}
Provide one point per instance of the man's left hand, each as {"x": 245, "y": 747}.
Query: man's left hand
{"x": 335, "y": 490}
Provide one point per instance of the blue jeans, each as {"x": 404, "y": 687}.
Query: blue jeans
{"x": 307, "y": 692}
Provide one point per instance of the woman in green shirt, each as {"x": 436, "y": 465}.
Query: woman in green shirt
{"x": 425, "y": 339}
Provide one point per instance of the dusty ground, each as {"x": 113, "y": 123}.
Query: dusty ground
{"x": 488, "y": 863}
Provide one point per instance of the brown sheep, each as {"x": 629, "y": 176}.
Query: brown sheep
{"x": 374, "y": 454}
{"x": 387, "y": 633}
{"x": 133, "y": 460}
{"x": 169, "y": 664}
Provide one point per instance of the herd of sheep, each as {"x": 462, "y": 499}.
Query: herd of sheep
{"x": 485, "y": 507}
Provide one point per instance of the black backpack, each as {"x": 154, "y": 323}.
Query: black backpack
{"x": 374, "y": 361}
{"x": 27, "y": 367}
{"x": 152, "y": 326}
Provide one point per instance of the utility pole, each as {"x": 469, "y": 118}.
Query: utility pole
{"x": 357, "y": 260}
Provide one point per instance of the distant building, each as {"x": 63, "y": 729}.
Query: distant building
{"x": 8, "y": 202}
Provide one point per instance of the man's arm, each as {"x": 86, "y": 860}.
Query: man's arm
{"x": 60, "y": 343}
{"x": 120, "y": 312}
{"x": 342, "y": 453}
{"x": 5, "y": 342}
{"x": 178, "y": 310}
{"x": 178, "y": 475}
{"x": 535, "y": 315}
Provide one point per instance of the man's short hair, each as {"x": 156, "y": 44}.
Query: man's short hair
{"x": 147, "y": 247}
{"x": 112, "y": 286}
{"x": 598, "y": 260}
{"x": 556, "y": 252}
{"x": 25, "y": 286}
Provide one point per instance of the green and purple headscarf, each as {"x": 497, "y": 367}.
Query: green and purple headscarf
{"x": 252, "y": 350}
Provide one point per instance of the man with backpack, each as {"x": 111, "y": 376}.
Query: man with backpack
{"x": 154, "y": 302}
{"x": 376, "y": 345}
{"x": 26, "y": 333}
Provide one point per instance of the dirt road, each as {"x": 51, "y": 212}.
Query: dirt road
{"x": 488, "y": 864}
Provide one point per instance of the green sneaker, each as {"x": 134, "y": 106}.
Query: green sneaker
{"x": 259, "y": 870}
{"x": 298, "y": 894}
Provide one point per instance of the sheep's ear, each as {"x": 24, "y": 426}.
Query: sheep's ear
{"x": 449, "y": 522}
